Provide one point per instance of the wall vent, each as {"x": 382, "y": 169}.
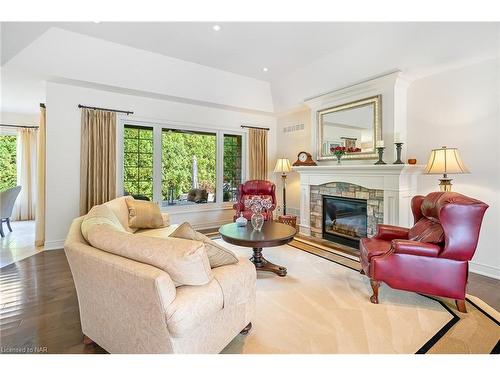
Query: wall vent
{"x": 293, "y": 128}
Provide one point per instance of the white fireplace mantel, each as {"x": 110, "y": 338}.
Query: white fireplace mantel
{"x": 399, "y": 183}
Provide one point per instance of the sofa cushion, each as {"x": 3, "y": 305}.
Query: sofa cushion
{"x": 100, "y": 214}
{"x": 426, "y": 230}
{"x": 193, "y": 306}
{"x": 217, "y": 255}
{"x": 163, "y": 232}
{"x": 143, "y": 214}
{"x": 185, "y": 261}
{"x": 120, "y": 209}
{"x": 166, "y": 219}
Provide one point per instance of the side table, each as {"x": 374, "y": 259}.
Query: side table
{"x": 288, "y": 219}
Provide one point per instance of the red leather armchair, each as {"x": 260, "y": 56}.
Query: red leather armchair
{"x": 431, "y": 257}
{"x": 262, "y": 188}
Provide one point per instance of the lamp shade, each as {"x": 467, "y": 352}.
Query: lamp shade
{"x": 445, "y": 161}
{"x": 282, "y": 166}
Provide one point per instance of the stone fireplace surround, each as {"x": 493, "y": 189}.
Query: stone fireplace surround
{"x": 396, "y": 183}
{"x": 374, "y": 199}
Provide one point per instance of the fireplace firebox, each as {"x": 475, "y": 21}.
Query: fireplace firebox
{"x": 344, "y": 220}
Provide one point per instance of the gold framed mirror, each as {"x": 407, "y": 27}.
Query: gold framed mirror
{"x": 356, "y": 125}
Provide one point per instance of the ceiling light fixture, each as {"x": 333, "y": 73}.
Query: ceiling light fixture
{"x": 265, "y": 69}
{"x": 216, "y": 27}
{"x": 96, "y": 21}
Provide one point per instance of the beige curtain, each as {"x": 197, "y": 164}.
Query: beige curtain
{"x": 97, "y": 158}
{"x": 24, "y": 208}
{"x": 40, "y": 181}
{"x": 257, "y": 146}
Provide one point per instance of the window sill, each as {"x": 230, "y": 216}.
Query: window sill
{"x": 203, "y": 207}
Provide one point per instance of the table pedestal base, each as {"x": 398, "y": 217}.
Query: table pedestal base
{"x": 263, "y": 264}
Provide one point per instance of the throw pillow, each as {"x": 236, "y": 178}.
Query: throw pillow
{"x": 217, "y": 255}
{"x": 143, "y": 214}
{"x": 100, "y": 214}
{"x": 185, "y": 261}
{"x": 426, "y": 230}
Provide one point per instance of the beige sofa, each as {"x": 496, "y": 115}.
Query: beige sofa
{"x": 128, "y": 306}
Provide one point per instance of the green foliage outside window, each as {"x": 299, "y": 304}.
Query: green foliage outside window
{"x": 232, "y": 166}
{"x": 8, "y": 166}
{"x": 178, "y": 149}
{"x": 138, "y": 161}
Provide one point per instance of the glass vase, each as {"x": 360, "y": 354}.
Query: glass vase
{"x": 257, "y": 220}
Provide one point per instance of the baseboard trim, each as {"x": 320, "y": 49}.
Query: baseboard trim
{"x": 54, "y": 245}
{"x": 485, "y": 270}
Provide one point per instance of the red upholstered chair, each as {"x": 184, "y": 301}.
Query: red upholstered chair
{"x": 262, "y": 188}
{"x": 432, "y": 257}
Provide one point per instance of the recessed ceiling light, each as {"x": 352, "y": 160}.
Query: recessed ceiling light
{"x": 216, "y": 27}
{"x": 265, "y": 69}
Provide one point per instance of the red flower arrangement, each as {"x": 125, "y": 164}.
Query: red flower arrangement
{"x": 339, "y": 151}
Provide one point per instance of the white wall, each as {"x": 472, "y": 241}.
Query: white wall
{"x": 289, "y": 145}
{"x": 63, "y": 147}
{"x": 460, "y": 108}
{"x": 86, "y": 59}
{"x": 414, "y": 48}
{"x": 19, "y": 118}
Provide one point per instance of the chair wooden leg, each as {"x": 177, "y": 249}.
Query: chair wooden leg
{"x": 87, "y": 340}
{"x": 1, "y": 229}
{"x": 8, "y": 224}
{"x": 246, "y": 329}
{"x": 362, "y": 271}
{"x": 375, "y": 285}
{"x": 461, "y": 305}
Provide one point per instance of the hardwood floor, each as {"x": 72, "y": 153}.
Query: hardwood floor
{"x": 18, "y": 244}
{"x": 39, "y": 307}
{"x": 485, "y": 288}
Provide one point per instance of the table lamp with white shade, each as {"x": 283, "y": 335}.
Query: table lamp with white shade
{"x": 445, "y": 161}
{"x": 283, "y": 166}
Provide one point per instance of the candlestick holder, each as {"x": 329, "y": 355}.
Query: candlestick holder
{"x": 399, "y": 146}
{"x": 380, "y": 151}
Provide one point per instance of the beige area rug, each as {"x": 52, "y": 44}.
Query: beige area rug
{"x": 322, "y": 306}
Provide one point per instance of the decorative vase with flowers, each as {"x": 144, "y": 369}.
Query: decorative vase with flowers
{"x": 340, "y": 151}
{"x": 257, "y": 204}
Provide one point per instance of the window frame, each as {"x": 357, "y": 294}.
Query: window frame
{"x": 158, "y": 127}
{"x": 123, "y": 153}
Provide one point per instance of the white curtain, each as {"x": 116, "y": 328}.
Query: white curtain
{"x": 24, "y": 209}
{"x": 40, "y": 188}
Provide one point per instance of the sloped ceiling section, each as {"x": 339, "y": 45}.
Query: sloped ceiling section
{"x": 63, "y": 55}
{"x": 416, "y": 49}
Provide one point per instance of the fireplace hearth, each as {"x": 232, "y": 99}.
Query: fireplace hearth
{"x": 344, "y": 220}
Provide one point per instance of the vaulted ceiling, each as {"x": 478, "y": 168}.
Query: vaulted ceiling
{"x": 302, "y": 59}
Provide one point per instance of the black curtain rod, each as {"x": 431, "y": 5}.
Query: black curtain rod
{"x": 20, "y": 126}
{"x": 253, "y": 127}
{"x": 106, "y": 109}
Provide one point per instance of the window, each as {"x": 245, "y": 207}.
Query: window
{"x": 232, "y": 166}
{"x": 188, "y": 166}
{"x": 8, "y": 166}
{"x": 138, "y": 161}
{"x": 180, "y": 166}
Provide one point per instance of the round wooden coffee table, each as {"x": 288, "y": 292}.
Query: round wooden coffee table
{"x": 272, "y": 234}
